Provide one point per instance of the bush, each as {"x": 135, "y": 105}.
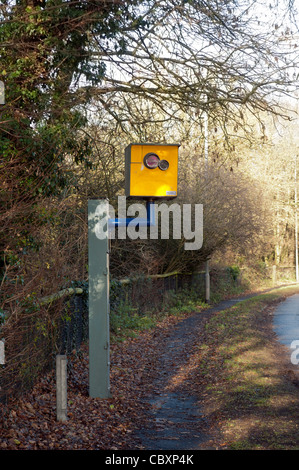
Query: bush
{"x": 234, "y": 272}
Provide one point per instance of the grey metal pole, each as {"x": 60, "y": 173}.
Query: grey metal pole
{"x": 2, "y": 92}
{"x": 98, "y": 279}
{"x": 296, "y": 223}
{"x": 61, "y": 387}
{"x": 2, "y": 352}
{"x": 207, "y": 281}
{"x": 206, "y": 140}
{"x": 274, "y": 276}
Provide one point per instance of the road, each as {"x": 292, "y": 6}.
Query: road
{"x": 286, "y": 323}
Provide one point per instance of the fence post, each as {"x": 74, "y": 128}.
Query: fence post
{"x": 61, "y": 387}
{"x": 2, "y": 352}
{"x": 207, "y": 282}
{"x": 274, "y": 276}
{"x": 2, "y": 92}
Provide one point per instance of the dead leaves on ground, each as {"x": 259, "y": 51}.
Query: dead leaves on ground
{"x": 29, "y": 423}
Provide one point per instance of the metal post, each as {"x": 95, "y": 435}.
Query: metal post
{"x": 125, "y": 221}
{"x": 207, "y": 282}
{"x": 99, "y": 225}
{"x": 98, "y": 274}
{"x": 2, "y": 352}
{"x": 296, "y": 223}
{"x": 274, "y": 276}
{"x": 61, "y": 388}
{"x": 206, "y": 140}
{"x": 2, "y": 92}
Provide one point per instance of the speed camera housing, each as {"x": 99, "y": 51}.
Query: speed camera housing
{"x": 151, "y": 171}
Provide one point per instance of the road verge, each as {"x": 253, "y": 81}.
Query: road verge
{"x": 247, "y": 384}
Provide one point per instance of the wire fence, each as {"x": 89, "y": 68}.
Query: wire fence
{"x": 142, "y": 295}
{"x": 145, "y": 294}
{"x": 63, "y": 326}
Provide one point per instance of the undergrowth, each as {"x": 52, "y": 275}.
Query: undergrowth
{"x": 125, "y": 321}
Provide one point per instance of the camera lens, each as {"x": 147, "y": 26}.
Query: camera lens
{"x": 151, "y": 160}
{"x": 163, "y": 165}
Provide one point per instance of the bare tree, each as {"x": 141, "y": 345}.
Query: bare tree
{"x": 224, "y": 59}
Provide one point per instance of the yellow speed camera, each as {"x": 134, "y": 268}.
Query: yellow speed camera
{"x": 151, "y": 171}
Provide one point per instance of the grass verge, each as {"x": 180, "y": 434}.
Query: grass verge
{"x": 251, "y": 391}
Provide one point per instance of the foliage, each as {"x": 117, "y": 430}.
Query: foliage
{"x": 83, "y": 79}
{"x": 234, "y": 272}
{"x": 125, "y": 321}
{"x": 44, "y": 52}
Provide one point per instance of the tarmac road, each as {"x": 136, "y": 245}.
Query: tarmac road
{"x": 286, "y": 322}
